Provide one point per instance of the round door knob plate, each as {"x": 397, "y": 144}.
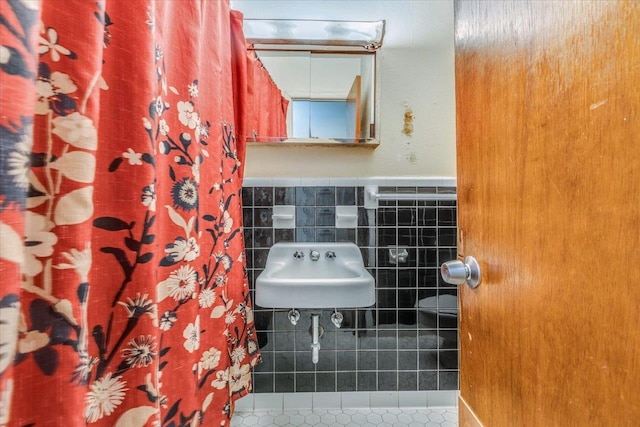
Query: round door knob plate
{"x": 458, "y": 272}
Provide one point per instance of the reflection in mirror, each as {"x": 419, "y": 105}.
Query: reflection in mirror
{"x": 323, "y": 119}
{"x": 330, "y": 94}
{"x": 325, "y": 71}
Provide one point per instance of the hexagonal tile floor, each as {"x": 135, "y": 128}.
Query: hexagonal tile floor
{"x": 376, "y": 417}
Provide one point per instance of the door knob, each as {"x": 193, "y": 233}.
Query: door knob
{"x": 458, "y": 272}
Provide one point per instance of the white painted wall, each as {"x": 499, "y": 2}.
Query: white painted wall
{"x": 415, "y": 70}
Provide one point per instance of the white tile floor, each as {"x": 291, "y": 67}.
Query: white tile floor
{"x": 376, "y": 417}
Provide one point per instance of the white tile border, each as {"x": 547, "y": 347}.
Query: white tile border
{"x": 326, "y": 400}
{"x": 315, "y": 182}
{"x": 355, "y": 399}
{"x": 343, "y": 182}
{"x": 245, "y": 403}
{"x": 347, "y": 400}
{"x": 268, "y": 401}
{"x": 383, "y": 399}
{"x": 412, "y": 399}
{"x": 298, "y": 401}
{"x": 442, "y": 398}
{"x": 396, "y": 181}
{"x": 411, "y": 181}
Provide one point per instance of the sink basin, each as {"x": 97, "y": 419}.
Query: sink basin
{"x": 335, "y": 281}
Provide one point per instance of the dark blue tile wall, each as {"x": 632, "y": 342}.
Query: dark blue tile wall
{"x": 392, "y": 346}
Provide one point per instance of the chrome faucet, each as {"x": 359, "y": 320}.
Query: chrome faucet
{"x": 314, "y": 255}
{"x": 330, "y": 254}
{"x": 298, "y": 254}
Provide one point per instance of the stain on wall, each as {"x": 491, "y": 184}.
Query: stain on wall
{"x": 407, "y": 129}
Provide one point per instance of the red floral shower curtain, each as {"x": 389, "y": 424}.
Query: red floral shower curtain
{"x": 267, "y": 107}
{"x": 124, "y": 297}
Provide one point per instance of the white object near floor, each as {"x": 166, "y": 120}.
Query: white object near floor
{"x": 382, "y": 417}
{"x": 347, "y": 400}
{"x": 377, "y": 408}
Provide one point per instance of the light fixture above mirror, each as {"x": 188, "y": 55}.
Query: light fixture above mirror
{"x": 296, "y": 34}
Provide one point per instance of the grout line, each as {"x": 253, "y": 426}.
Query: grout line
{"x": 432, "y": 399}
{"x": 376, "y": 268}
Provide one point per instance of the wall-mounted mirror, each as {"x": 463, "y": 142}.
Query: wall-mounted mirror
{"x": 331, "y": 95}
{"x": 329, "y": 83}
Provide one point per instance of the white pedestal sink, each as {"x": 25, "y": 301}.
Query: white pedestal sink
{"x": 315, "y": 275}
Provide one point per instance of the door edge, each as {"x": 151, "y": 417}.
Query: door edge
{"x": 466, "y": 417}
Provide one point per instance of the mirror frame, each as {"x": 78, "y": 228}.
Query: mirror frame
{"x": 346, "y": 38}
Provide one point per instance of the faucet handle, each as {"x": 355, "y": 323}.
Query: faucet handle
{"x": 314, "y": 255}
{"x": 330, "y": 254}
{"x": 298, "y": 254}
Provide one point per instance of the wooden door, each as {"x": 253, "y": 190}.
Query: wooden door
{"x": 548, "y": 142}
